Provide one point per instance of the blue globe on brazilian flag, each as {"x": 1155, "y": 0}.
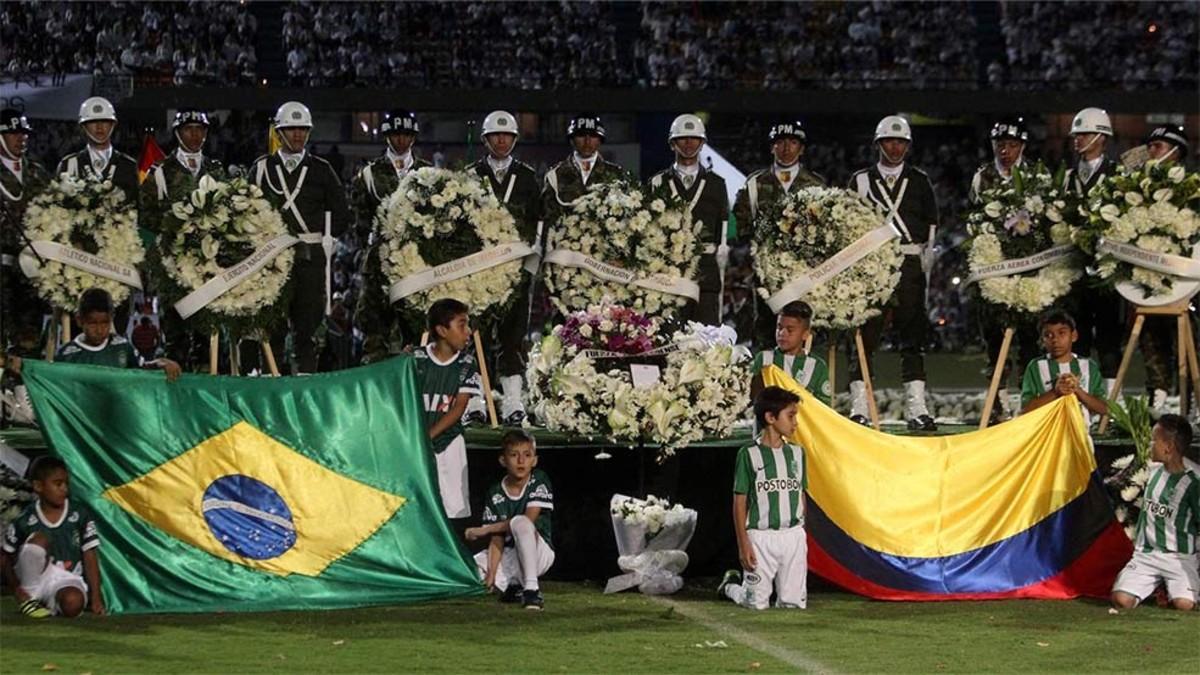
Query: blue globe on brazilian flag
{"x": 220, "y": 494}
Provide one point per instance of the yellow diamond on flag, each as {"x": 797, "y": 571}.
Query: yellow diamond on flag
{"x": 245, "y": 497}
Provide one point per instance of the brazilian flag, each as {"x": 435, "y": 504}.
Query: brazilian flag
{"x": 249, "y": 494}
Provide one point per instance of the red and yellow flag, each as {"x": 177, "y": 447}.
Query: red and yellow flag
{"x": 151, "y": 153}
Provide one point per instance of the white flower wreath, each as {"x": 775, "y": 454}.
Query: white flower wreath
{"x": 1017, "y": 220}
{"x": 87, "y": 215}
{"x": 808, "y": 227}
{"x": 437, "y": 216}
{"x": 216, "y": 226}
{"x": 618, "y": 225}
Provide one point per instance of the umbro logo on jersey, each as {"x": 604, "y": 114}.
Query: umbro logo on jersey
{"x": 540, "y": 491}
{"x": 73, "y": 518}
{"x": 1160, "y": 510}
{"x": 497, "y": 498}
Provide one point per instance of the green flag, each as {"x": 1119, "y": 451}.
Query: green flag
{"x": 232, "y": 493}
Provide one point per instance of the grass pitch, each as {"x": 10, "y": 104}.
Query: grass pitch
{"x": 583, "y": 630}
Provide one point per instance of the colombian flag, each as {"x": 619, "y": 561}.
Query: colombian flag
{"x": 1014, "y": 511}
{"x": 233, "y": 493}
{"x": 151, "y": 153}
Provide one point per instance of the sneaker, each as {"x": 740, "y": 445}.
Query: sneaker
{"x": 860, "y": 419}
{"x": 476, "y": 418}
{"x": 922, "y": 423}
{"x": 731, "y": 577}
{"x": 34, "y": 609}
{"x": 997, "y": 416}
{"x": 532, "y": 600}
{"x": 512, "y": 593}
{"x": 515, "y": 419}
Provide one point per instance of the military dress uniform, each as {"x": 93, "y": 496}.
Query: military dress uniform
{"x": 304, "y": 195}
{"x": 375, "y": 316}
{"x": 20, "y": 181}
{"x": 705, "y": 196}
{"x": 119, "y": 168}
{"x": 762, "y": 189}
{"x": 565, "y": 182}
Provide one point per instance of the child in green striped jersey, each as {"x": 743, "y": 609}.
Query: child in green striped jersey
{"x": 769, "y": 480}
{"x": 1060, "y": 372}
{"x": 1164, "y": 550}
{"x": 792, "y": 328}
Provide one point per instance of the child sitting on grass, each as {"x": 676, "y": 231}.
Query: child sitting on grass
{"x": 770, "y": 477}
{"x": 448, "y": 378}
{"x": 516, "y": 516}
{"x": 49, "y": 551}
{"x": 792, "y": 328}
{"x": 1060, "y": 372}
{"x": 97, "y": 345}
{"x": 1164, "y": 550}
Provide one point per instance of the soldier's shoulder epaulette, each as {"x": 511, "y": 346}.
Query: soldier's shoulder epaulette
{"x": 865, "y": 169}
{"x": 261, "y": 159}
{"x": 421, "y": 163}
{"x": 523, "y": 166}
{"x": 919, "y": 172}
{"x": 118, "y": 155}
{"x": 756, "y": 174}
{"x": 817, "y": 176}
{"x": 320, "y": 160}
{"x": 714, "y": 177}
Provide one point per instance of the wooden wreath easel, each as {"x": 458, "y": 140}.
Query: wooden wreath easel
{"x": 235, "y": 366}
{"x": 483, "y": 375}
{"x": 1186, "y": 353}
{"x": 872, "y": 408}
{"x": 1001, "y": 360}
{"x": 60, "y": 325}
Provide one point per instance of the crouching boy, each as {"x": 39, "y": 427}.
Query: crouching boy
{"x": 516, "y": 516}
{"x": 769, "y": 480}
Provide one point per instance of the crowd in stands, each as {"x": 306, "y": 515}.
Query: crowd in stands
{"x": 773, "y": 46}
{"x": 426, "y": 44}
{"x": 163, "y": 43}
{"x": 1076, "y": 45}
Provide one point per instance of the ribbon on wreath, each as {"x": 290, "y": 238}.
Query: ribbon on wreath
{"x": 1166, "y": 263}
{"x": 459, "y": 268}
{"x": 233, "y": 276}
{"x": 1007, "y": 268}
{"x": 81, "y": 260}
{"x": 835, "y": 265}
{"x": 659, "y": 282}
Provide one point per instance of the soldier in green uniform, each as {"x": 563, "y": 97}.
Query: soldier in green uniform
{"x": 50, "y": 555}
{"x": 20, "y": 180}
{"x": 1167, "y": 145}
{"x": 570, "y": 179}
{"x": 906, "y": 193}
{"x": 99, "y": 160}
{"x": 172, "y": 179}
{"x": 310, "y": 197}
{"x": 688, "y": 182}
{"x": 1008, "y": 137}
{"x": 785, "y": 175}
{"x": 383, "y": 334}
{"x": 516, "y": 185}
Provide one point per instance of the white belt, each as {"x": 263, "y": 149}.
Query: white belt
{"x": 912, "y": 249}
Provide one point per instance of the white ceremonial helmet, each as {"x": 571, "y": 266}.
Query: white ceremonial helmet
{"x": 97, "y": 108}
{"x": 293, "y": 114}
{"x": 499, "y": 122}
{"x": 1091, "y": 121}
{"x": 893, "y": 126}
{"x": 687, "y": 126}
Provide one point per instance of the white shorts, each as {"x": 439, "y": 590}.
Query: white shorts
{"x": 54, "y": 579}
{"x": 782, "y": 557}
{"x": 452, "y": 478}
{"x": 1179, "y": 571}
{"x": 510, "y": 564}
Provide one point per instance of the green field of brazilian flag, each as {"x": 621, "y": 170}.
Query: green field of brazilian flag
{"x": 228, "y": 493}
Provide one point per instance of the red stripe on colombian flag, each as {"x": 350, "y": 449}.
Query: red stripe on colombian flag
{"x": 151, "y": 153}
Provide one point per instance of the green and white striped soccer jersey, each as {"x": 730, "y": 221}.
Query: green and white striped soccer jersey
{"x": 811, "y": 372}
{"x": 1170, "y": 518}
{"x": 773, "y": 480}
{"x": 1041, "y": 374}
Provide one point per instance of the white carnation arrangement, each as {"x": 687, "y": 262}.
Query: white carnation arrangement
{"x": 436, "y": 216}
{"x": 90, "y": 216}
{"x": 213, "y": 228}
{"x": 1152, "y": 208}
{"x": 652, "y": 538}
{"x": 1019, "y": 219}
{"x": 655, "y": 513}
{"x": 580, "y": 379}
{"x": 807, "y": 227}
{"x": 619, "y": 224}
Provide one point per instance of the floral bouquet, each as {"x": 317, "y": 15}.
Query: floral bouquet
{"x": 828, "y": 247}
{"x": 1144, "y": 232}
{"x": 619, "y": 243}
{"x": 691, "y": 384}
{"x": 445, "y": 235}
{"x": 1020, "y": 251}
{"x": 226, "y": 235}
{"x": 652, "y": 538}
{"x": 1130, "y": 472}
{"x": 85, "y": 236}
{"x": 15, "y": 495}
